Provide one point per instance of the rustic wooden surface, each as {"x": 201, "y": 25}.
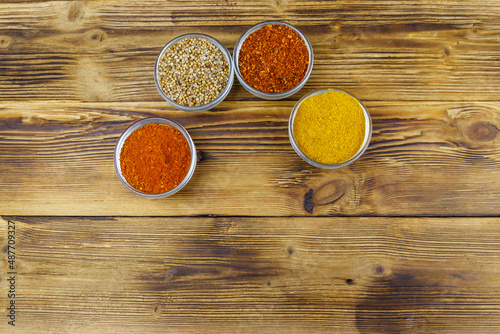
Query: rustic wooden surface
{"x": 405, "y": 240}
{"x": 236, "y": 274}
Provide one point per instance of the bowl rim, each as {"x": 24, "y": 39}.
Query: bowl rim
{"x": 361, "y": 150}
{"x": 258, "y": 93}
{"x": 138, "y": 124}
{"x": 224, "y": 92}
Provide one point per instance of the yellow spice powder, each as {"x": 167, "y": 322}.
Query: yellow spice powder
{"x": 329, "y": 127}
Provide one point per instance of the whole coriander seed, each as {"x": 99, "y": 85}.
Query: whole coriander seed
{"x": 193, "y": 72}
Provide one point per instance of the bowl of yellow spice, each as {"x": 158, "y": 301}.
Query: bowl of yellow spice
{"x": 329, "y": 128}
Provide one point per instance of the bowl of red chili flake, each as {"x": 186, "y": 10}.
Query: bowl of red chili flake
{"x": 273, "y": 60}
{"x": 155, "y": 157}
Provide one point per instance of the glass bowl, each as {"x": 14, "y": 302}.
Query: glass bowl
{"x": 221, "y": 96}
{"x": 136, "y": 126}
{"x": 271, "y": 96}
{"x": 362, "y": 149}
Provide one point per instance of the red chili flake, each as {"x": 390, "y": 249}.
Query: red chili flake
{"x": 273, "y": 59}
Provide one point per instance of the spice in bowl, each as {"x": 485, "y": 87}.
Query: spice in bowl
{"x": 155, "y": 157}
{"x": 330, "y": 128}
{"x": 273, "y": 59}
{"x": 193, "y": 71}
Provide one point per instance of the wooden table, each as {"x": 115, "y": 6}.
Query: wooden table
{"x": 405, "y": 240}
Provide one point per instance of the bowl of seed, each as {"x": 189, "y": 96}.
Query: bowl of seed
{"x": 329, "y": 128}
{"x": 273, "y": 60}
{"x": 194, "y": 72}
{"x": 155, "y": 157}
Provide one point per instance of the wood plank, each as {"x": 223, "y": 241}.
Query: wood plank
{"x": 434, "y": 158}
{"x": 105, "y": 50}
{"x": 273, "y": 275}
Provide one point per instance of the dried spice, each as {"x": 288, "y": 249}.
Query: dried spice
{"x": 193, "y": 72}
{"x": 330, "y": 127}
{"x": 273, "y": 59}
{"x": 155, "y": 158}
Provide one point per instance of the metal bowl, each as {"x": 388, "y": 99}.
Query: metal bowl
{"x": 221, "y": 96}
{"x": 362, "y": 149}
{"x": 136, "y": 126}
{"x": 271, "y": 96}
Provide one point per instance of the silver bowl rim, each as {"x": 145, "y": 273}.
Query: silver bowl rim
{"x": 221, "y": 96}
{"x": 272, "y": 96}
{"x": 138, "y": 124}
{"x": 359, "y": 153}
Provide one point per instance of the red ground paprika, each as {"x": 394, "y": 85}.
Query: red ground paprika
{"x": 273, "y": 59}
{"x": 155, "y": 158}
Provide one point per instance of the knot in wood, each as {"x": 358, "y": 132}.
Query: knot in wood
{"x": 481, "y": 131}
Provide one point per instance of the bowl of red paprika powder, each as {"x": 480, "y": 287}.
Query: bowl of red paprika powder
{"x": 155, "y": 157}
{"x": 273, "y": 60}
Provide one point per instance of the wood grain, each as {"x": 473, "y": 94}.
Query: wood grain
{"x": 436, "y": 159}
{"x": 105, "y": 50}
{"x": 273, "y": 275}
{"x": 405, "y": 240}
